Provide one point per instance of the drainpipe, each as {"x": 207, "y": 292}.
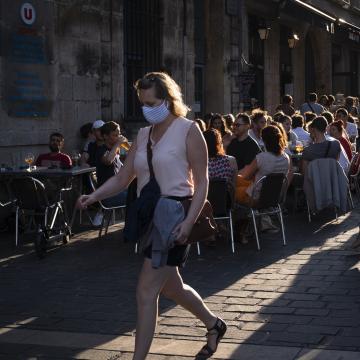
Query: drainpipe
{"x": 185, "y": 48}
{"x": 111, "y": 60}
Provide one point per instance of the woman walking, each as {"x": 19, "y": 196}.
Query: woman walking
{"x": 179, "y": 163}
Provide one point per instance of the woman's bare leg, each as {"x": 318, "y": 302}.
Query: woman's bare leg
{"x": 150, "y": 283}
{"x": 188, "y": 298}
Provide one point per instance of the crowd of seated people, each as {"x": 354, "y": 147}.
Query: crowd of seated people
{"x": 260, "y": 144}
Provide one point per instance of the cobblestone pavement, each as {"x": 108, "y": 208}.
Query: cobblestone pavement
{"x": 301, "y": 301}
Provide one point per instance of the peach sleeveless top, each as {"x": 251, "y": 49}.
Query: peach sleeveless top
{"x": 171, "y": 167}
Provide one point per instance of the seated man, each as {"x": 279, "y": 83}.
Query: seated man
{"x": 55, "y": 158}
{"x": 298, "y": 128}
{"x": 321, "y": 148}
{"x": 242, "y": 147}
{"x": 108, "y": 160}
{"x": 258, "y": 122}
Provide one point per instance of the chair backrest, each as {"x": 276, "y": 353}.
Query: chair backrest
{"x": 5, "y": 197}
{"x": 29, "y": 193}
{"x": 355, "y": 165}
{"x": 273, "y": 190}
{"x": 219, "y": 196}
{"x": 92, "y": 182}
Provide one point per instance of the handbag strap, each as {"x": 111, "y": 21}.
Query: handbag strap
{"x": 328, "y": 149}
{"x": 310, "y": 107}
{"x": 149, "y": 155}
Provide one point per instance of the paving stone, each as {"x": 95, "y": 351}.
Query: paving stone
{"x": 308, "y": 304}
{"x": 266, "y": 295}
{"x": 274, "y": 302}
{"x": 255, "y": 326}
{"x": 300, "y": 297}
{"x": 242, "y": 308}
{"x": 276, "y": 310}
{"x": 326, "y": 330}
{"x": 350, "y": 322}
{"x": 261, "y": 287}
{"x": 349, "y": 341}
{"x": 243, "y": 301}
{"x": 312, "y": 312}
{"x": 302, "y": 338}
{"x": 323, "y": 354}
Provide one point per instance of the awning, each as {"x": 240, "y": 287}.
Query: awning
{"x": 330, "y": 17}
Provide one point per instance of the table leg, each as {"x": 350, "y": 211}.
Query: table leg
{"x": 73, "y": 216}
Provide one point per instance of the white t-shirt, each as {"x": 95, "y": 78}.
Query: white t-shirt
{"x": 258, "y": 140}
{"x": 343, "y": 159}
{"x": 351, "y": 129}
{"x": 302, "y": 134}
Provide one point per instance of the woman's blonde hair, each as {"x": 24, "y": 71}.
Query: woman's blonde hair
{"x": 165, "y": 88}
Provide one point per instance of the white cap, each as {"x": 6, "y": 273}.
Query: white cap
{"x": 97, "y": 124}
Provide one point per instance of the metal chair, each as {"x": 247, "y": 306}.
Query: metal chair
{"x": 273, "y": 189}
{"x": 108, "y": 211}
{"x": 5, "y": 197}
{"x": 50, "y": 217}
{"x": 354, "y": 178}
{"x": 221, "y": 199}
{"x": 6, "y": 200}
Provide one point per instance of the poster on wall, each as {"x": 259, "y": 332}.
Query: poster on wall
{"x": 246, "y": 81}
{"x": 26, "y": 53}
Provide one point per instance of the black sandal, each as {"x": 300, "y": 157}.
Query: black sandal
{"x": 220, "y": 328}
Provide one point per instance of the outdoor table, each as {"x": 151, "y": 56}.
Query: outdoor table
{"x": 73, "y": 174}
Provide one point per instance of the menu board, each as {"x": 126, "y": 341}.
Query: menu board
{"x": 26, "y": 41}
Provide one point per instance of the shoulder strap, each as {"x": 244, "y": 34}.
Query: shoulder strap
{"x": 328, "y": 148}
{"x": 311, "y": 107}
{"x": 149, "y": 155}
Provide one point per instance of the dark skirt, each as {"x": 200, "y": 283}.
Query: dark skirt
{"x": 177, "y": 256}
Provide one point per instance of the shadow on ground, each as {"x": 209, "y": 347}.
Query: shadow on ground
{"x": 303, "y": 295}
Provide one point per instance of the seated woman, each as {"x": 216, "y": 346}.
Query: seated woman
{"x": 291, "y": 136}
{"x": 221, "y": 166}
{"x": 273, "y": 160}
{"x": 336, "y": 130}
{"x": 218, "y": 122}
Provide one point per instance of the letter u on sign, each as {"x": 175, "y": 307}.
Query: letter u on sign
{"x": 27, "y": 13}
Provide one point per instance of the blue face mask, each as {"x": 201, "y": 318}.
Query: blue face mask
{"x": 156, "y": 114}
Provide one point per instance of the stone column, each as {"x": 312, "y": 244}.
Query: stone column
{"x": 298, "y": 68}
{"x": 323, "y": 61}
{"x": 178, "y": 45}
{"x": 272, "y": 69}
{"x": 218, "y": 80}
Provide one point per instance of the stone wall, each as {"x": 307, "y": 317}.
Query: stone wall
{"x": 87, "y": 77}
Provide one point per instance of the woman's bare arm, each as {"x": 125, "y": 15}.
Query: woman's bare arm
{"x": 115, "y": 184}
{"x": 249, "y": 171}
{"x": 198, "y": 160}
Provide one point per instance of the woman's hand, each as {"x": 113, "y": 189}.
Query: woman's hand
{"x": 182, "y": 232}
{"x": 84, "y": 201}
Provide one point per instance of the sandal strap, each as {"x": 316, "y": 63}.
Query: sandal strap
{"x": 219, "y": 326}
{"x": 208, "y": 349}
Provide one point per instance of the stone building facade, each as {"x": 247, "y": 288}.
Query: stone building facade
{"x": 64, "y": 63}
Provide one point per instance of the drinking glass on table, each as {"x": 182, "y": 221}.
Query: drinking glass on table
{"x": 29, "y": 159}
{"x": 75, "y": 157}
{"x": 299, "y": 147}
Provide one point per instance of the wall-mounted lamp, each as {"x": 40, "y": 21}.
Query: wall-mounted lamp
{"x": 264, "y": 32}
{"x": 293, "y": 40}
